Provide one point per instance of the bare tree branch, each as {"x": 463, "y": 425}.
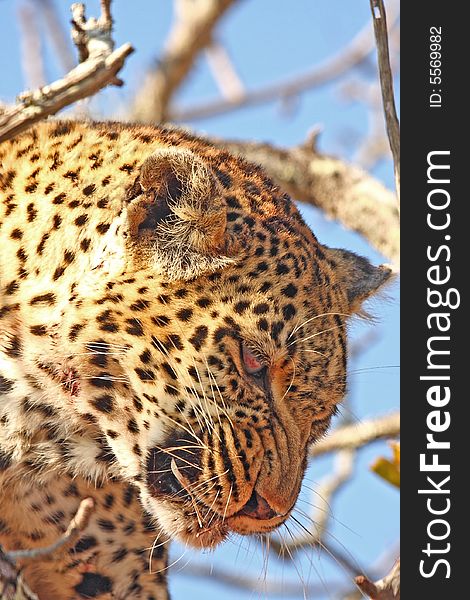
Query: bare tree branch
{"x": 57, "y": 34}
{"x": 256, "y": 585}
{"x": 31, "y": 50}
{"x": 92, "y": 37}
{"x": 342, "y": 191}
{"x": 12, "y": 586}
{"x": 356, "y": 436}
{"x": 76, "y": 526}
{"x": 223, "y": 71}
{"x": 379, "y": 18}
{"x": 98, "y": 70}
{"x": 191, "y": 32}
{"x": 332, "y": 69}
{"x": 387, "y": 588}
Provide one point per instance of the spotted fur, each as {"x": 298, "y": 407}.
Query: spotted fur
{"x": 139, "y": 265}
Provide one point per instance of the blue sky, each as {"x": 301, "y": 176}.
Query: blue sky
{"x": 269, "y": 40}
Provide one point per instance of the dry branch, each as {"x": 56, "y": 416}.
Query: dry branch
{"x": 99, "y": 68}
{"x": 331, "y": 70}
{"x": 255, "y": 584}
{"x": 76, "y": 526}
{"x": 12, "y": 586}
{"x": 387, "y": 588}
{"x": 356, "y": 436}
{"x": 57, "y": 34}
{"x": 386, "y": 83}
{"x": 342, "y": 191}
{"x": 31, "y": 49}
{"x": 224, "y": 72}
{"x": 191, "y": 32}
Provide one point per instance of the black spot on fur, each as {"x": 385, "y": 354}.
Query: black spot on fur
{"x": 145, "y": 356}
{"x": 290, "y": 290}
{"x": 119, "y": 555}
{"x": 32, "y": 212}
{"x": 288, "y": 311}
{"x": 102, "y": 381}
{"x": 6, "y": 385}
{"x": 261, "y": 308}
{"x": 240, "y": 307}
{"x": 171, "y": 372}
{"x": 224, "y": 178}
{"x": 199, "y": 337}
{"x": 184, "y": 314}
{"x": 81, "y": 220}
{"x": 104, "y": 403}
{"x": 203, "y": 302}
{"x": 89, "y": 189}
{"x": 85, "y": 244}
{"x": 171, "y": 390}
{"x": 85, "y": 543}
{"x": 42, "y": 243}
{"x": 38, "y": 329}
{"x": 93, "y": 584}
{"x": 145, "y": 375}
{"x": 140, "y": 305}
{"x": 160, "y": 320}
{"x": 58, "y": 273}
{"x": 61, "y": 129}
{"x": 106, "y": 525}
{"x": 48, "y": 298}
{"x": 102, "y": 228}
{"x": 11, "y": 288}
{"x": 132, "y": 426}
{"x": 134, "y": 327}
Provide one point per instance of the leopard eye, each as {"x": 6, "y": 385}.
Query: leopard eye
{"x": 252, "y": 365}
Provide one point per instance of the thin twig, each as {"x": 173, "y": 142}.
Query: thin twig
{"x": 356, "y": 436}
{"x": 255, "y": 584}
{"x": 99, "y": 68}
{"x": 32, "y": 56}
{"x": 57, "y": 35}
{"x": 387, "y": 588}
{"x": 379, "y": 18}
{"x": 76, "y": 526}
{"x": 223, "y": 71}
{"x": 12, "y": 585}
{"x": 106, "y": 15}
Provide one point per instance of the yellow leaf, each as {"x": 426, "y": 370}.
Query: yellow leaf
{"x": 389, "y": 469}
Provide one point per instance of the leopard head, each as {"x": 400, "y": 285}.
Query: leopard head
{"x": 232, "y": 319}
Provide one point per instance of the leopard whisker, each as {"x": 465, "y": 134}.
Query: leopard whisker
{"x": 309, "y": 337}
{"x": 326, "y": 314}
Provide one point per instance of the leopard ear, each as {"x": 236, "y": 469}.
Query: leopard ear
{"x": 176, "y": 216}
{"x": 357, "y": 275}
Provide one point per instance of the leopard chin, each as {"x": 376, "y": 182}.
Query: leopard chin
{"x": 202, "y": 528}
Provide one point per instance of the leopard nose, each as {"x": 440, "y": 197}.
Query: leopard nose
{"x": 258, "y": 508}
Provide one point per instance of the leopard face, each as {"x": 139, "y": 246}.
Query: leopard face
{"x": 167, "y": 319}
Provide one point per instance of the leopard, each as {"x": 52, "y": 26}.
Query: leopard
{"x": 173, "y": 339}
